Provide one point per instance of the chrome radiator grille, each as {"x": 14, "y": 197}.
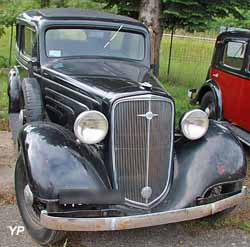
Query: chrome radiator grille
{"x": 142, "y": 147}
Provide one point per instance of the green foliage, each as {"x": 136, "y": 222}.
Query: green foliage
{"x": 188, "y": 14}
{"x": 3, "y": 96}
{"x": 10, "y": 9}
{"x": 231, "y": 21}
{"x": 198, "y": 14}
{"x": 83, "y": 4}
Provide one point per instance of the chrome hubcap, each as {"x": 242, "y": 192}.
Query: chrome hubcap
{"x": 21, "y": 116}
{"x": 28, "y": 195}
{"x": 208, "y": 110}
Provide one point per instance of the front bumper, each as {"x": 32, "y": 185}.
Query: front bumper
{"x": 138, "y": 221}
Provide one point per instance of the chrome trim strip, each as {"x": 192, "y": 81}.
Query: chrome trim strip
{"x": 66, "y": 97}
{"x": 69, "y": 80}
{"x": 139, "y": 221}
{"x": 223, "y": 183}
{"x": 244, "y": 141}
{"x": 69, "y": 89}
{"x": 69, "y": 109}
{"x": 143, "y": 97}
{"x": 148, "y": 144}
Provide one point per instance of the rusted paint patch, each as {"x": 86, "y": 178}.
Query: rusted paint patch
{"x": 221, "y": 169}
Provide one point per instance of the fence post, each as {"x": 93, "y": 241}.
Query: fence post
{"x": 11, "y": 43}
{"x": 170, "y": 52}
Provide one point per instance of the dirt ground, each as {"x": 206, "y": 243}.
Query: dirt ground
{"x": 7, "y": 164}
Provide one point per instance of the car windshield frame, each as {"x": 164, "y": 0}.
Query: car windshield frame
{"x": 115, "y": 30}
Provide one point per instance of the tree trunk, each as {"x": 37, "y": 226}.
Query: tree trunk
{"x": 150, "y": 14}
{"x": 60, "y": 4}
{"x": 45, "y": 3}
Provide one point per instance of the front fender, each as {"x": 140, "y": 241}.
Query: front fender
{"x": 54, "y": 161}
{"x": 216, "y": 158}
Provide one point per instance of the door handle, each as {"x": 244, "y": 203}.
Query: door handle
{"x": 216, "y": 75}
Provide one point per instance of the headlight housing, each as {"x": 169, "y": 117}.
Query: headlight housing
{"x": 194, "y": 124}
{"x": 91, "y": 127}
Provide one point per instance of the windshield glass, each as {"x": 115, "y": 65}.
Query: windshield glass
{"x": 92, "y": 42}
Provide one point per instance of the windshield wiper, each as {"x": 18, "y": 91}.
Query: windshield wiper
{"x": 113, "y": 37}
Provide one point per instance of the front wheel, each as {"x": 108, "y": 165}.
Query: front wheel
{"x": 30, "y": 209}
{"x": 208, "y": 104}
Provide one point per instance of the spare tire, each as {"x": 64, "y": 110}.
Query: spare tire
{"x": 33, "y": 103}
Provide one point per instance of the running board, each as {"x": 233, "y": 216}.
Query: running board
{"x": 15, "y": 125}
{"x": 243, "y": 135}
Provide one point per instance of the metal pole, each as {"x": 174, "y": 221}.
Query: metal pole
{"x": 11, "y": 41}
{"x": 170, "y": 52}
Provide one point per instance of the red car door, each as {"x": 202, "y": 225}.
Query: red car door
{"x": 245, "y": 100}
{"x": 231, "y": 77}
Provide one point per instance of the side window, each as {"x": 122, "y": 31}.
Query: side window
{"x": 234, "y": 54}
{"x": 17, "y": 36}
{"x": 29, "y": 42}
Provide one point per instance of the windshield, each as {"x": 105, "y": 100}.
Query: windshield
{"x": 92, "y": 42}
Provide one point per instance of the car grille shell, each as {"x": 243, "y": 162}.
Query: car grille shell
{"x": 142, "y": 143}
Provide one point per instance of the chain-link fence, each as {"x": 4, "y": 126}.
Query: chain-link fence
{"x": 189, "y": 60}
{"x": 7, "y": 58}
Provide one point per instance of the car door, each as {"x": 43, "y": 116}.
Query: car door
{"x": 230, "y": 75}
{"x": 245, "y": 98}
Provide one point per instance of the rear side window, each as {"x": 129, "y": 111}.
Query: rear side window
{"x": 234, "y": 54}
{"x": 17, "y": 36}
{"x": 29, "y": 42}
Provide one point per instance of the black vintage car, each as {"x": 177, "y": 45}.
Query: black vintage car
{"x": 97, "y": 144}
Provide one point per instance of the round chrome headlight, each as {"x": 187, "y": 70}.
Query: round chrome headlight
{"x": 91, "y": 127}
{"x": 194, "y": 124}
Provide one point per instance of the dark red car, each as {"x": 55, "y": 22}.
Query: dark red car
{"x": 225, "y": 95}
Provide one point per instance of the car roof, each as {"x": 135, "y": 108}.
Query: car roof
{"x": 76, "y": 14}
{"x": 236, "y": 34}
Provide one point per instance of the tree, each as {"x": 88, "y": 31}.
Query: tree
{"x": 231, "y": 21}
{"x": 188, "y": 14}
{"x": 45, "y": 3}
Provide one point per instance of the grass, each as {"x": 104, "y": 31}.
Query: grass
{"x": 235, "y": 221}
{"x": 4, "y": 62}
{"x": 5, "y": 49}
{"x": 190, "y": 60}
{"x": 3, "y": 101}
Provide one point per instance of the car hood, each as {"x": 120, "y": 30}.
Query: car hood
{"x": 103, "y": 78}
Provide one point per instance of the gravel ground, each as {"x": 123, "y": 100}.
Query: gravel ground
{"x": 7, "y": 161}
{"x": 198, "y": 233}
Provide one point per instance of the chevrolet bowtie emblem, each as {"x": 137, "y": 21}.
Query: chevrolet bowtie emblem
{"x": 149, "y": 115}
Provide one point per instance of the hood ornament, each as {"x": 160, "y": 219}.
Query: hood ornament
{"x": 146, "y": 85}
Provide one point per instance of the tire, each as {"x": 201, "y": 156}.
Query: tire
{"x": 33, "y": 103}
{"x": 30, "y": 213}
{"x": 209, "y": 105}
